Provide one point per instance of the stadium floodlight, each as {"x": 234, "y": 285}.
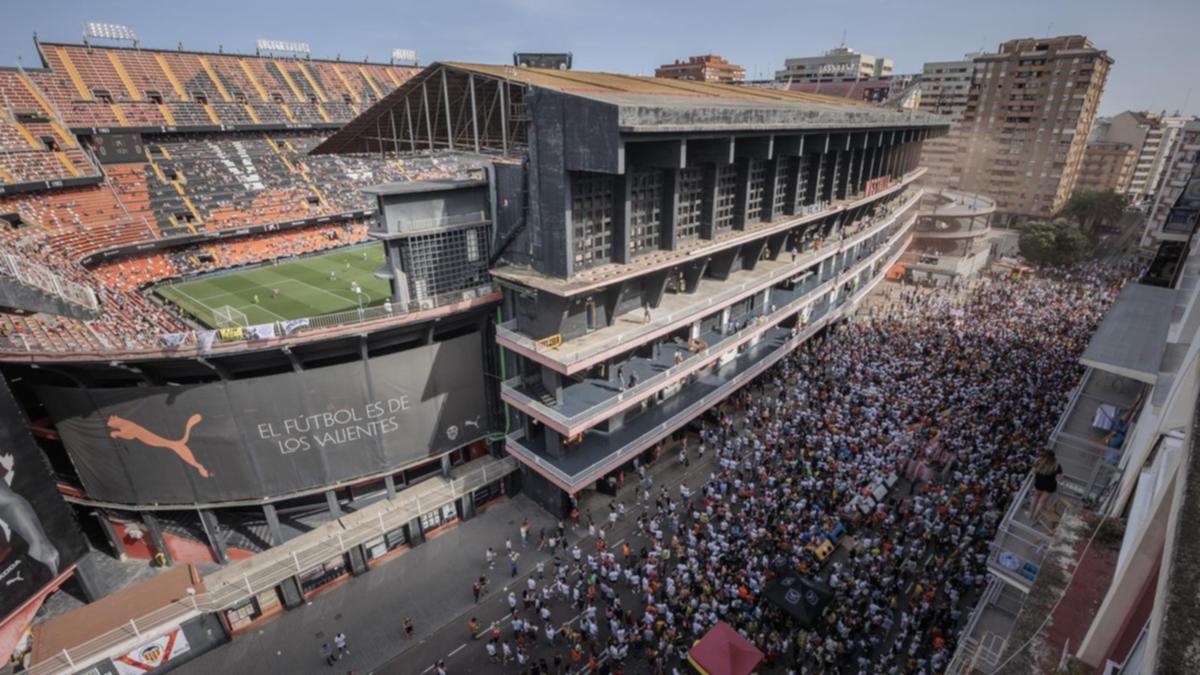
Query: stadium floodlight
{"x": 108, "y": 31}
{"x": 404, "y": 56}
{"x": 282, "y": 46}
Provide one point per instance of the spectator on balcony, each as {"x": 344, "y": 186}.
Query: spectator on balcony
{"x": 1045, "y": 482}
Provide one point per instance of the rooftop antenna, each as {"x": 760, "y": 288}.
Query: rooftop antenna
{"x": 1049, "y": 29}
{"x": 843, "y": 37}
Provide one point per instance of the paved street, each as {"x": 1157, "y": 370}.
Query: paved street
{"x": 432, "y": 584}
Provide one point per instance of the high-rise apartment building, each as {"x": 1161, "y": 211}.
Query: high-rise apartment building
{"x": 1027, "y": 119}
{"x": 706, "y": 68}
{"x": 840, "y": 64}
{"x": 1170, "y": 217}
{"x": 945, "y": 88}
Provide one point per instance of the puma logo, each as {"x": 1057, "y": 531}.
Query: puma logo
{"x": 125, "y": 429}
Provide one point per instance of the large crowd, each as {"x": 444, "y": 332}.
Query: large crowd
{"x": 953, "y": 392}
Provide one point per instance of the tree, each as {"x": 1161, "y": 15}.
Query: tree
{"x": 1093, "y": 210}
{"x": 1057, "y": 242}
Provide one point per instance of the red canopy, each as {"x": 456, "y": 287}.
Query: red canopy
{"x": 722, "y": 651}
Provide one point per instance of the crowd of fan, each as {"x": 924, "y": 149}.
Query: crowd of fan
{"x": 956, "y": 391}
{"x": 231, "y": 181}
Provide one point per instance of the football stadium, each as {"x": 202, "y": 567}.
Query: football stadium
{"x": 672, "y": 374}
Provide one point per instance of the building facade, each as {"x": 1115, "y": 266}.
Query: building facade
{"x": 658, "y": 243}
{"x": 1152, "y": 136}
{"x": 706, "y": 68}
{"x": 945, "y": 89}
{"x": 1107, "y": 166}
{"x": 1027, "y": 118}
{"x": 840, "y": 64}
{"x": 1169, "y": 219}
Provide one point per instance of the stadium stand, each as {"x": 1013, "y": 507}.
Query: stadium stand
{"x": 115, "y": 87}
{"x": 34, "y": 145}
{"x": 222, "y": 143}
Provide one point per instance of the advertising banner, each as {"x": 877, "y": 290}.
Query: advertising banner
{"x": 154, "y": 654}
{"x": 271, "y": 435}
{"x": 38, "y": 535}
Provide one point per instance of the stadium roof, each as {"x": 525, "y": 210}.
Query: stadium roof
{"x": 462, "y": 98}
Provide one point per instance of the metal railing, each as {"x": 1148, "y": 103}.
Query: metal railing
{"x": 563, "y": 354}
{"x": 227, "y": 587}
{"x": 202, "y": 342}
{"x": 698, "y": 360}
{"x": 40, "y": 277}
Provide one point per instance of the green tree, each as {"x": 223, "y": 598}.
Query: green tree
{"x": 1093, "y": 210}
{"x": 1057, "y": 242}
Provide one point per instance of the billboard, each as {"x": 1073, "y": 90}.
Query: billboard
{"x": 272, "y": 435}
{"x": 38, "y": 535}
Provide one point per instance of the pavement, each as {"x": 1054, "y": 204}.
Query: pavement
{"x": 430, "y": 583}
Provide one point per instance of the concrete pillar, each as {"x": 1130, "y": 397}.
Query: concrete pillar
{"x": 110, "y": 533}
{"x": 446, "y": 466}
{"x": 390, "y": 483}
{"x": 331, "y": 500}
{"x": 622, "y": 215}
{"x": 669, "y": 224}
{"x": 741, "y": 199}
{"x": 272, "y": 518}
{"x": 708, "y": 202}
{"x": 156, "y": 537}
{"x": 466, "y": 506}
{"x": 212, "y": 530}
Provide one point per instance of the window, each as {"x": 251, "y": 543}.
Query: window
{"x": 726, "y": 193}
{"x": 691, "y": 199}
{"x": 645, "y": 205}
{"x": 754, "y": 196}
{"x": 431, "y": 520}
{"x": 591, "y": 218}
{"x": 154, "y": 97}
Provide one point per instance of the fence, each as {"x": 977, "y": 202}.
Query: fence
{"x": 32, "y": 274}
{"x": 242, "y": 580}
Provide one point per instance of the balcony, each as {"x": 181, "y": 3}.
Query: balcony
{"x": 600, "y": 452}
{"x": 591, "y": 400}
{"x": 1089, "y": 450}
{"x": 676, "y": 311}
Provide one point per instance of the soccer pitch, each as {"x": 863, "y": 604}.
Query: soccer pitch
{"x": 305, "y": 287}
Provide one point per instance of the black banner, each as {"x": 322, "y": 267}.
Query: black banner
{"x": 271, "y": 435}
{"x": 38, "y": 534}
{"x": 804, "y": 600}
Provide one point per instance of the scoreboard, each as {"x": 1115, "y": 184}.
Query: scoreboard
{"x": 118, "y": 148}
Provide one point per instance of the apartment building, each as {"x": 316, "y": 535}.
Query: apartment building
{"x": 706, "y": 68}
{"x": 1106, "y": 166}
{"x": 840, "y": 64}
{"x": 945, "y": 89}
{"x": 1027, "y": 119}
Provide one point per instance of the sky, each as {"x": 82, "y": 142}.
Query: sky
{"x": 1152, "y": 41}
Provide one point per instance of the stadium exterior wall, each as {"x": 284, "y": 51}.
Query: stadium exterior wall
{"x": 267, "y": 436}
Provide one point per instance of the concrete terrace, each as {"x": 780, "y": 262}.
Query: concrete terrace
{"x": 676, "y": 311}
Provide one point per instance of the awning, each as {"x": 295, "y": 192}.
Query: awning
{"x": 1133, "y": 336}
{"x": 722, "y": 651}
{"x": 804, "y": 600}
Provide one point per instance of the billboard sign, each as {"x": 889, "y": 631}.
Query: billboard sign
{"x": 38, "y": 535}
{"x": 272, "y": 435}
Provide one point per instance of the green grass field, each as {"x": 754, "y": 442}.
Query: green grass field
{"x": 305, "y": 289}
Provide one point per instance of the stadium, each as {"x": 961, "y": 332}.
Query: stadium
{"x": 268, "y": 322}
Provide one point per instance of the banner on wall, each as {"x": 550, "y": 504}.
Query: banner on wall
{"x": 38, "y": 535}
{"x": 271, "y": 435}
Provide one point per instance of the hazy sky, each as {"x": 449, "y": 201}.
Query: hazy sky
{"x": 1153, "y": 41}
